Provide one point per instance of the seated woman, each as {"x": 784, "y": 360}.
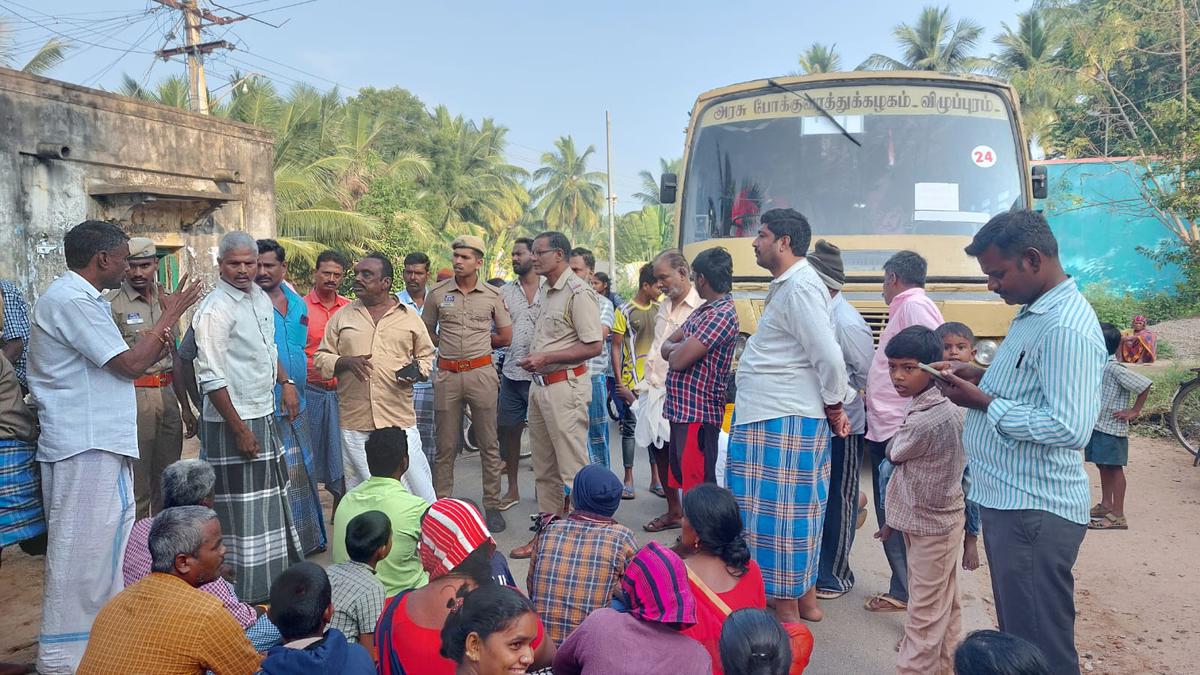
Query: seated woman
{"x": 720, "y": 572}
{"x": 455, "y": 550}
{"x": 644, "y": 636}
{"x": 188, "y": 482}
{"x": 1139, "y": 345}
{"x": 492, "y": 633}
{"x": 578, "y": 561}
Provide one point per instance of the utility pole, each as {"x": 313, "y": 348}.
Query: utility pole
{"x": 195, "y": 49}
{"x": 612, "y": 202}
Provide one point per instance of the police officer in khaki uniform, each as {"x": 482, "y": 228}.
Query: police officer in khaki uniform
{"x": 568, "y": 333}
{"x": 135, "y": 309}
{"x": 460, "y": 314}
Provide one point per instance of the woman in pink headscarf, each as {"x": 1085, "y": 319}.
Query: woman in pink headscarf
{"x": 1139, "y": 345}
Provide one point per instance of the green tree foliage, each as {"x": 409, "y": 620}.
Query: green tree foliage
{"x": 819, "y": 58}
{"x": 567, "y": 196}
{"x": 48, "y": 55}
{"x": 934, "y": 42}
{"x": 1029, "y": 59}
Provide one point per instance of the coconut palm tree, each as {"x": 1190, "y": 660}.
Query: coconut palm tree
{"x": 50, "y": 54}
{"x": 819, "y": 58}
{"x": 641, "y": 235}
{"x": 1028, "y": 59}
{"x": 933, "y": 43}
{"x": 568, "y": 196}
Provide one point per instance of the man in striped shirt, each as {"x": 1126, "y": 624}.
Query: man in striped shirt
{"x": 1028, "y": 418}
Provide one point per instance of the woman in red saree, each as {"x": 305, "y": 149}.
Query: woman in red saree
{"x": 1139, "y": 345}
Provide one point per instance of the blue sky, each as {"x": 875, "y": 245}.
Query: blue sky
{"x": 543, "y": 69}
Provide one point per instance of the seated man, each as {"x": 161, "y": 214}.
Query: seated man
{"x": 188, "y": 482}
{"x": 301, "y": 606}
{"x": 164, "y": 625}
{"x": 387, "y": 460}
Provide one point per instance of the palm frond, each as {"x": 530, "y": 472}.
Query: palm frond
{"x": 47, "y": 57}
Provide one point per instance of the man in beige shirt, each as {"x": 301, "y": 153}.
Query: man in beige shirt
{"x": 672, "y": 274}
{"x": 368, "y": 345}
{"x": 160, "y": 421}
{"x": 568, "y": 333}
{"x": 460, "y": 314}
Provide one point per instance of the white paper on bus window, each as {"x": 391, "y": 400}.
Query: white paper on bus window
{"x": 935, "y": 196}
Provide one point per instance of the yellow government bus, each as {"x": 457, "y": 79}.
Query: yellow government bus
{"x": 878, "y": 162}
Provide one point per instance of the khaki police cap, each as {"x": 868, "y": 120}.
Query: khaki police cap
{"x": 141, "y": 247}
{"x": 468, "y": 241}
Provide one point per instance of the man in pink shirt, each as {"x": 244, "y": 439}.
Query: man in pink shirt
{"x": 908, "y": 305}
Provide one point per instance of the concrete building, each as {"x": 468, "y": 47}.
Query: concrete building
{"x": 68, "y": 154}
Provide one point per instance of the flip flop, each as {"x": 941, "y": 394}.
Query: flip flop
{"x": 504, "y": 506}
{"x": 661, "y": 524}
{"x": 1099, "y": 511}
{"x": 658, "y": 490}
{"x": 627, "y": 492}
{"x": 830, "y": 595}
{"x": 882, "y": 602}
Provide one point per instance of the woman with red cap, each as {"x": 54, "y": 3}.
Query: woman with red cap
{"x": 455, "y": 550}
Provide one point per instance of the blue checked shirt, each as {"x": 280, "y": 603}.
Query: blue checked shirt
{"x": 1025, "y": 450}
{"x": 16, "y": 324}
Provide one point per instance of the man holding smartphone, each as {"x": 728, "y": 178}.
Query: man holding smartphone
{"x": 372, "y": 346}
{"x": 459, "y": 315}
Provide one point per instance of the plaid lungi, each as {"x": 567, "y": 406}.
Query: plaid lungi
{"x": 423, "y": 404}
{"x": 20, "y": 493}
{"x": 598, "y": 422}
{"x": 778, "y": 470}
{"x": 302, "y": 492}
{"x": 252, "y": 504}
{"x": 321, "y": 409}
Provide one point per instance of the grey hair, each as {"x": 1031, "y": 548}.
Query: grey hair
{"x": 236, "y": 241}
{"x": 674, "y": 258}
{"x": 908, "y": 266}
{"x": 187, "y": 482}
{"x": 176, "y": 531}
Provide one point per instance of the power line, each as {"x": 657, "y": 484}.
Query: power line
{"x": 59, "y": 33}
{"x": 94, "y": 79}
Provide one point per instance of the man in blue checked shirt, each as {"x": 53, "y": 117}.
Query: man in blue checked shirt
{"x": 1028, "y": 419}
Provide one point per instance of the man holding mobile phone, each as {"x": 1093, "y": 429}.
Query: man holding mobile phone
{"x": 459, "y": 315}
{"x": 365, "y": 345}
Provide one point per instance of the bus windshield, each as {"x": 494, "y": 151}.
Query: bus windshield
{"x": 887, "y": 159}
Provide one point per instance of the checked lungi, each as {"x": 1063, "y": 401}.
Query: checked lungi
{"x": 325, "y": 434}
{"x": 252, "y": 504}
{"x": 778, "y": 469}
{"x": 302, "y": 491}
{"x": 20, "y": 493}
{"x": 598, "y": 422}
{"x": 423, "y": 405}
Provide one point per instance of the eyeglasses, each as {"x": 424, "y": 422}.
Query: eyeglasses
{"x": 538, "y": 254}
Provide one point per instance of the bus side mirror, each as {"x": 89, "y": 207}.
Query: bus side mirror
{"x": 667, "y": 188}
{"x": 1040, "y": 182}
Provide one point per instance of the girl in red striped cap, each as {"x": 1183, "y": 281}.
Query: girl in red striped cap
{"x": 455, "y": 550}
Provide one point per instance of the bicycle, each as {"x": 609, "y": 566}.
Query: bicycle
{"x": 1185, "y": 416}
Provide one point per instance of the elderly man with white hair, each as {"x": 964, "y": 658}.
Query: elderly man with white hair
{"x": 237, "y": 368}
{"x": 163, "y": 623}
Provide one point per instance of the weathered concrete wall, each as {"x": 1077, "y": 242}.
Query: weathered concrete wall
{"x": 155, "y": 170}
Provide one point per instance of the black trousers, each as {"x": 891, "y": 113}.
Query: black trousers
{"x": 1030, "y": 554}
{"x": 893, "y": 548}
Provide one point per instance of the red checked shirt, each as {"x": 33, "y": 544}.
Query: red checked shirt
{"x": 698, "y": 393}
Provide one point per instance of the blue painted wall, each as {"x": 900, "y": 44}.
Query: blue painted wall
{"x": 1100, "y": 221}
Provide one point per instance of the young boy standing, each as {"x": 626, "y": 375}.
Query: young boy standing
{"x": 958, "y": 344}
{"x": 1109, "y": 447}
{"x": 925, "y": 503}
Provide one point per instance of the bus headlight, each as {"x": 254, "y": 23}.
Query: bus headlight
{"x": 985, "y": 351}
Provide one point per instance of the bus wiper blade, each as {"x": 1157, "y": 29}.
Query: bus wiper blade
{"x": 824, "y": 112}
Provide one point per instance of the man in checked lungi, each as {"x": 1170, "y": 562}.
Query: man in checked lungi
{"x": 81, "y": 376}
{"x": 237, "y": 369}
{"x": 791, "y": 386}
{"x": 20, "y": 499}
{"x": 291, "y": 334}
{"x": 416, "y": 275}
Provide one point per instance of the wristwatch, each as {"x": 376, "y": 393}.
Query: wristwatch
{"x": 288, "y": 381}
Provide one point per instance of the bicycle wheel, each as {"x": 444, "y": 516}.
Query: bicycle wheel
{"x": 1185, "y": 416}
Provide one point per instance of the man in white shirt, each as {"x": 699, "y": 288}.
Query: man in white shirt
{"x": 791, "y": 386}
{"x": 237, "y": 368}
{"x": 81, "y": 375}
{"x": 680, "y": 298}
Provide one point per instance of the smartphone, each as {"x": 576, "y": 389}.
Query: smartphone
{"x": 932, "y": 371}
